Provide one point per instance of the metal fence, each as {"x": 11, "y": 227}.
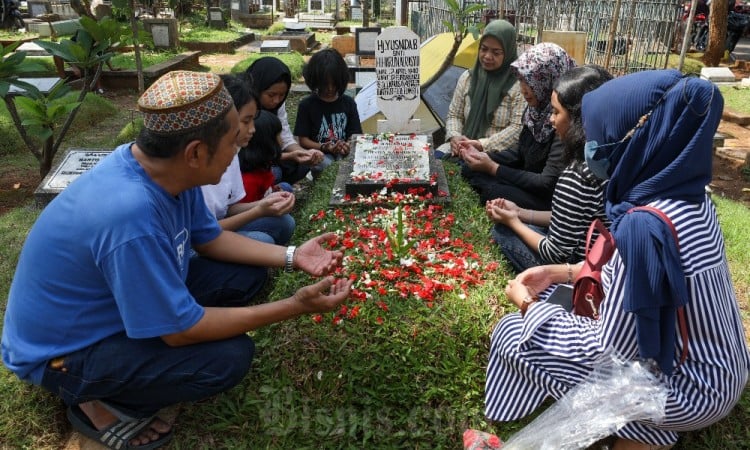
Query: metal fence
{"x": 623, "y": 35}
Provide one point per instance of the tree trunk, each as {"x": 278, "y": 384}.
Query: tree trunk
{"x": 48, "y": 154}
{"x": 82, "y": 8}
{"x": 137, "y": 47}
{"x": 11, "y": 106}
{"x": 717, "y": 33}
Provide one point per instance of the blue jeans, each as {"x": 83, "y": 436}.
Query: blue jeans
{"x": 138, "y": 377}
{"x": 289, "y": 172}
{"x": 328, "y": 159}
{"x": 271, "y": 230}
{"x": 520, "y": 256}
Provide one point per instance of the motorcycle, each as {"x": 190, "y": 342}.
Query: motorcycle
{"x": 737, "y": 23}
{"x": 11, "y": 18}
{"x": 699, "y": 34}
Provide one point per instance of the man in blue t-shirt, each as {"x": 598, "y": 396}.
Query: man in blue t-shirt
{"x": 109, "y": 311}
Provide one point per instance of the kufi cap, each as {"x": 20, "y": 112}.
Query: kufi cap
{"x": 181, "y": 101}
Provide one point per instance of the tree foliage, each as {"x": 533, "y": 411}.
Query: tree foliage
{"x": 92, "y": 48}
{"x": 460, "y": 27}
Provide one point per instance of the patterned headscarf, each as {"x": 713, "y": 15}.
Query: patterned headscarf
{"x": 540, "y": 67}
{"x": 662, "y": 126}
{"x": 487, "y": 89}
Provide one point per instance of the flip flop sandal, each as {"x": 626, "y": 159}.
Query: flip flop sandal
{"x": 118, "y": 435}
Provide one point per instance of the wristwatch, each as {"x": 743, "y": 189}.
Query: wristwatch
{"x": 527, "y": 301}
{"x": 289, "y": 261}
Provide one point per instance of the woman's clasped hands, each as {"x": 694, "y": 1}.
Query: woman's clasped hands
{"x": 502, "y": 211}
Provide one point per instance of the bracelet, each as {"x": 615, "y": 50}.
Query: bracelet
{"x": 527, "y": 301}
{"x": 570, "y": 273}
{"x": 289, "y": 261}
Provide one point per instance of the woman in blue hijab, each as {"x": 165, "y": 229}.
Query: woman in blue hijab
{"x": 651, "y": 134}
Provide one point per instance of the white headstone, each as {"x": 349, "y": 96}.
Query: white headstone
{"x": 397, "y": 70}
{"x": 275, "y": 46}
{"x": 717, "y": 74}
{"x": 160, "y": 33}
{"x": 75, "y": 163}
{"x": 38, "y": 8}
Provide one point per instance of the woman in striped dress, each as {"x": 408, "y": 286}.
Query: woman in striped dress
{"x": 651, "y": 134}
{"x": 531, "y": 238}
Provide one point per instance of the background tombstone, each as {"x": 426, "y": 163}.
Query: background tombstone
{"x": 275, "y": 46}
{"x": 75, "y": 163}
{"x": 315, "y": 6}
{"x": 39, "y": 8}
{"x": 216, "y": 18}
{"x": 397, "y": 71}
{"x": 164, "y": 32}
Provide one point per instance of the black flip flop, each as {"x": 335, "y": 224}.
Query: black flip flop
{"x": 118, "y": 435}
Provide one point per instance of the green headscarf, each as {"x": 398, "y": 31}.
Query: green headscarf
{"x": 487, "y": 89}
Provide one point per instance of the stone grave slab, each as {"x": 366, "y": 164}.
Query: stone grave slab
{"x": 397, "y": 71}
{"x": 62, "y": 27}
{"x": 393, "y": 165}
{"x": 717, "y": 74}
{"x": 74, "y": 163}
{"x": 44, "y": 84}
{"x": 32, "y": 49}
{"x": 275, "y": 46}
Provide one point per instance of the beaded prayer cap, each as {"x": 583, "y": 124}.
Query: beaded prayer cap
{"x": 182, "y": 101}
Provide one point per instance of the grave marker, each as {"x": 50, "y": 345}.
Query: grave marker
{"x": 164, "y": 31}
{"x": 275, "y": 46}
{"x": 39, "y": 8}
{"x": 75, "y": 163}
{"x": 717, "y": 74}
{"x": 315, "y": 6}
{"x": 216, "y": 18}
{"x": 397, "y": 71}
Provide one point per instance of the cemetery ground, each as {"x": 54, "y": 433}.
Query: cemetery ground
{"x": 397, "y": 369}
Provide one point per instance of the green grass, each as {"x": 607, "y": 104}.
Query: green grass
{"x": 93, "y": 112}
{"x": 293, "y": 60}
{"x": 197, "y": 31}
{"x": 16, "y": 35}
{"x": 416, "y": 381}
{"x": 737, "y": 99}
{"x": 692, "y": 63}
{"x": 126, "y": 61}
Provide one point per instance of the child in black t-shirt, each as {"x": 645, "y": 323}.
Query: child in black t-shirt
{"x": 327, "y": 118}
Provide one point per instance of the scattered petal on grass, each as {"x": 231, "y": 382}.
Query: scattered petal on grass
{"x": 434, "y": 264}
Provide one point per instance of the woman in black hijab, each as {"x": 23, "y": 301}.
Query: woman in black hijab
{"x": 273, "y": 80}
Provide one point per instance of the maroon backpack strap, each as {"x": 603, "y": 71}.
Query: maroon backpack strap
{"x": 681, "y": 318}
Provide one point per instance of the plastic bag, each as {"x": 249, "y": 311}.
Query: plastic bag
{"x": 616, "y": 393}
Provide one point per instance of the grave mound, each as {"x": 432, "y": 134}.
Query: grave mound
{"x": 391, "y": 163}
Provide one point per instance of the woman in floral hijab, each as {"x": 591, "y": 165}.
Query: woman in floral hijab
{"x": 526, "y": 173}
